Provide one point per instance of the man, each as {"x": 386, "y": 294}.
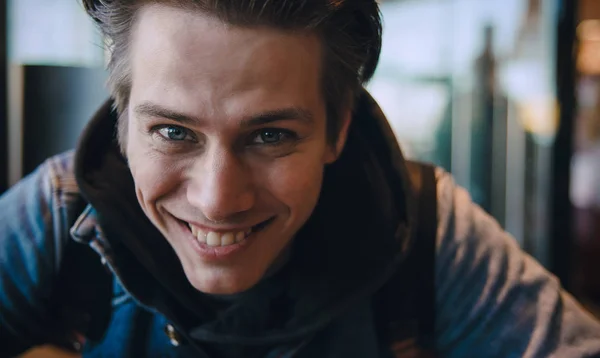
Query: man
{"x": 248, "y": 200}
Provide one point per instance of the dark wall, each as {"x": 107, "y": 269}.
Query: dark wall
{"x": 561, "y": 221}
{"x": 57, "y": 104}
{"x": 3, "y": 99}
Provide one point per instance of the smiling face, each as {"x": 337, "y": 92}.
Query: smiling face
{"x": 226, "y": 141}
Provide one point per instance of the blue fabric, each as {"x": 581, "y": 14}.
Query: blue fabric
{"x": 492, "y": 299}
{"x": 30, "y": 252}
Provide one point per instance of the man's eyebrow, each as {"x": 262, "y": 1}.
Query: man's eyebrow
{"x": 148, "y": 109}
{"x": 292, "y": 113}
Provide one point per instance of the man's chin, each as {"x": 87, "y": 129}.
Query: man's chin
{"x": 228, "y": 285}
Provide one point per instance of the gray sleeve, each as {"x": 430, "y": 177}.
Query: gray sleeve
{"x": 28, "y": 260}
{"x": 494, "y": 300}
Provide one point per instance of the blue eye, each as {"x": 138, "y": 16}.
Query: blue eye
{"x": 173, "y": 133}
{"x": 272, "y": 136}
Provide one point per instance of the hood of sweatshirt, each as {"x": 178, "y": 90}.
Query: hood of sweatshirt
{"x": 358, "y": 234}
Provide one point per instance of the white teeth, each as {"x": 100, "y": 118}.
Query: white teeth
{"x": 240, "y": 236}
{"x": 228, "y": 239}
{"x": 215, "y": 239}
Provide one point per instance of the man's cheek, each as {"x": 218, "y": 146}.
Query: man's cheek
{"x": 294, "y": 188}
{"x": 297, "y": 174}
{"x": 301, "y": 193}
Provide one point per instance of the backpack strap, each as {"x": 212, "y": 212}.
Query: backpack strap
{"x": 425, "y": 248}
{"x": 404, "y": 308}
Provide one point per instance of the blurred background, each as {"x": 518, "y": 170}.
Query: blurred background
{"x": 505, "y": 94}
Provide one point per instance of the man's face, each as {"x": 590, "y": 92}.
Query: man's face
{"x": 226, "y": 141}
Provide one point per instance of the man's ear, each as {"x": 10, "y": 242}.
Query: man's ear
{"x": 335, "y": 149}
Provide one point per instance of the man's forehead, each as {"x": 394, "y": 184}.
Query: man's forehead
{"x": 170, "y": 16}
{"x": 192, "y": 33}
{"x": 186, "y": 60}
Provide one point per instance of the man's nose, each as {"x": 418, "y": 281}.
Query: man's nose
{"x": 221, "y": 186}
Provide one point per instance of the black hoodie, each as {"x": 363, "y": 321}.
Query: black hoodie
{"x": 361, "y": 227}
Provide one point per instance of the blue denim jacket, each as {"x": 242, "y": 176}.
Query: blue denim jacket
{"x": 40, "y": 215}
{"x": 492, "y": 300}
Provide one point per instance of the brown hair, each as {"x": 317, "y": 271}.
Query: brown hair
{"x": 350, "y": 31}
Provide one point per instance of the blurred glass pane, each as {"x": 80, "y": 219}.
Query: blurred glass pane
{"x": 54, "y": 32}
{"x": 470, "y": 86}
{"x": 585, "y": 164}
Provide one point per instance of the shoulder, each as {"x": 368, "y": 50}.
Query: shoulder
{"x": 34, "y": 231}
{"x": 448, "y": 196}
{"x": 60, "y": 171}
{"x": 54, "y": 174}
{"x": 493, "y": 296}
{"x": 37, "y": 212}
{"x": 44, "y": 201}
{"x": 461, "y": 221}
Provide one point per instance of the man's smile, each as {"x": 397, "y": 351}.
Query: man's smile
{"x": 215, "y": 237}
